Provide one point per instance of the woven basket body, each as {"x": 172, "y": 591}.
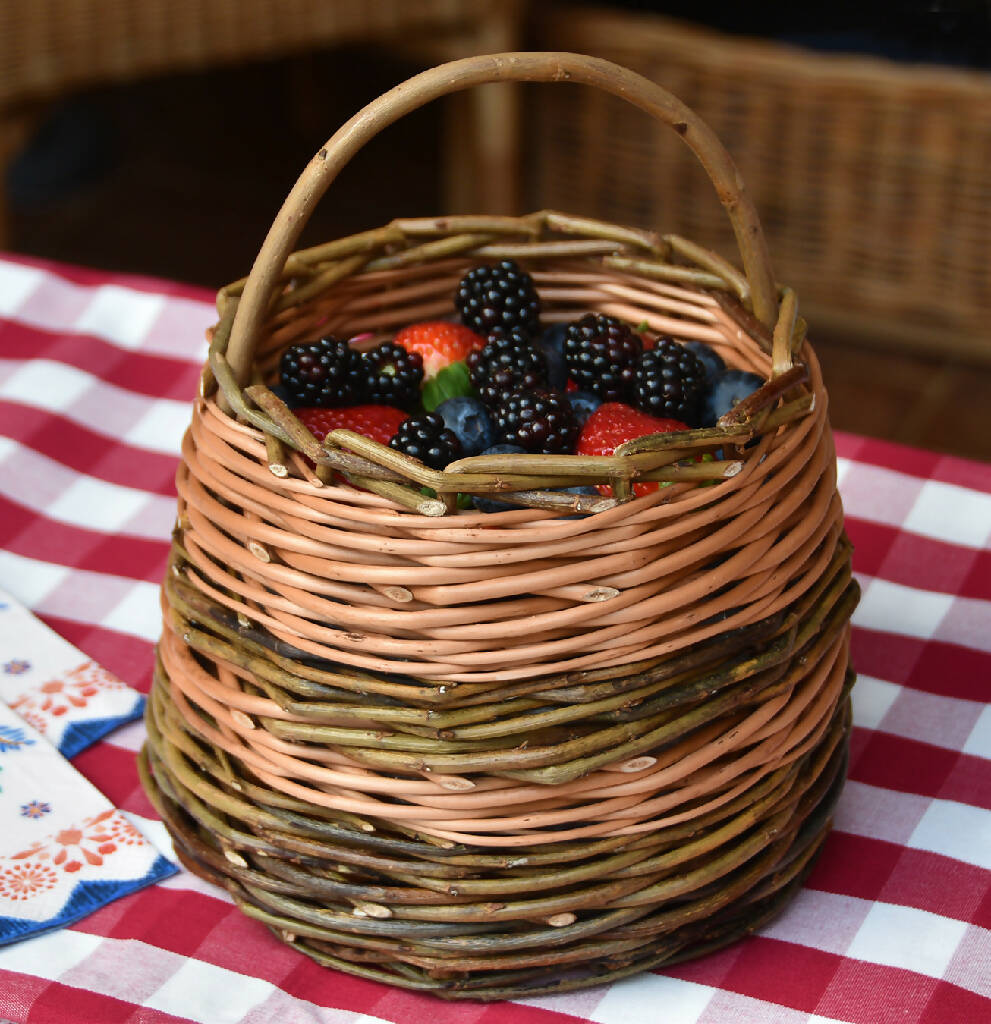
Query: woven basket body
{"x": 523, "y": 752}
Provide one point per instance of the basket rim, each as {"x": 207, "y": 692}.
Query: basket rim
{"x": 405, "y": 245}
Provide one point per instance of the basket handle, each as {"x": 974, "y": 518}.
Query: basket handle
{"x": 479, "y": 70}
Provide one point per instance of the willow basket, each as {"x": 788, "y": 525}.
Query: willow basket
{"x": 524, "y": 752}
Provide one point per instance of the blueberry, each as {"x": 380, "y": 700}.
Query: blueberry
{"x": 468, "y": 419}
{"x": 551, "y": 343}
{"x": 489, "y": 504}
{"x": 584, "y": 404}
{"x": 709, "y": 358}
{"x": 727, "y": 390}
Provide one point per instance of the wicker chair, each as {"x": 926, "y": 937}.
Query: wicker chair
{"x": 870, "y": 176}
{"x": 49, "y": 48}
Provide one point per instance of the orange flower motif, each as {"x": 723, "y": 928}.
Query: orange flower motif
{"x": 87, "y": 843}
{"x": 22, "y": 881}
{"x": 58, "y": 696}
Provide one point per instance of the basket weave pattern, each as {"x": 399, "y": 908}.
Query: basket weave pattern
{"x": 523, "y": 752}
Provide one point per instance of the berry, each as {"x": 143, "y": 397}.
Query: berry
{"x": 602, "y": 354}
{"x": 498, "y": 295}
{"x": 551, "y": 343}
{"x": 508, "y": 363}
{"x": 726, "y": 390}
{"x": 390, "y": 375}
{"x": 537, "y": 421}
{"x": 489, "y": 505}
{"x": 323, "y": 373}
{"x": 439, "y": 343}
{"x": 426, "y": 438}
{"x": 614, "y": 423}
{"x": 379, "y": 422}
{"x": 468, "y": 419}
{"x": 708, "y": 357}
{"x": 583, "y": 405}
{"x": 670, "y": 381}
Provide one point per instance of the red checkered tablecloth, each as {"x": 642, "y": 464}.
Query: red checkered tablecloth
{"x": 894, "y": 924}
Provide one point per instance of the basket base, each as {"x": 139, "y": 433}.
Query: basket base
{"x": 306, "y": 890}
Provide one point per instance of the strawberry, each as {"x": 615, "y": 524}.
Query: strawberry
{"x": 439, "y": 343}
{"x": 612, "y": 424}
{"x": 379, "y": 422}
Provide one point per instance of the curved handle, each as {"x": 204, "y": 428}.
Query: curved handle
{"x": 479, "y": 70}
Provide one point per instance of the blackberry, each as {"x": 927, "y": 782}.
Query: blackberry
{"x": 670, "y": 382}
{"x": 391, "y": 376}
{"x": 538, "y": 421}
{"x": 322, "y": 374}
{"x": 498, "y": 295}
{"x": 426, "y": 438}
{"x": 508, "y": 363}
{"x": 602, "y": 352}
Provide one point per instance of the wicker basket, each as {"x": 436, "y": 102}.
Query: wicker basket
{"x": 870, "y": 176}
{"x": 522, "y": 752}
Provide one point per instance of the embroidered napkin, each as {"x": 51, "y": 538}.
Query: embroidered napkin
{"x": 64, "y": 849}
{"x": 71, "y": 700}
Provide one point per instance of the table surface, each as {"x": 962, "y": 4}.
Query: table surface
{"x": 894, "y": 924}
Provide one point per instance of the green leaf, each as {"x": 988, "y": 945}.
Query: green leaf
{"x": 452, "y": 382}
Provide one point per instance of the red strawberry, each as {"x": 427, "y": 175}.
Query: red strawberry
{"x": 379, "y": 422}
{"x": 440, "y": 343}
{"x": 612, "y": 424}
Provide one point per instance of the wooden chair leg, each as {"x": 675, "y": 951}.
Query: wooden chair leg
{"x": 481, "y": 130}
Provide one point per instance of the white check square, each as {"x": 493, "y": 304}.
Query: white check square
{"x": 914, "y": 940}
{"x": 46, "y": 384}
{"x": 16, "y": 284}
{"x": 641, "y": 999}
{"x": 50, "y": 955}
{"x": 120, "y": 315}
{"x": 893, "y": 608}
{"x": 872, "y": 699}
{"x": 955, "y": 830}
{"x": 98, "y": 505}
{"x": 952, "y": 514}
{"x": 138, "y": 613}
{"x": 161, "y": 428}
{"x": 979, "y": 741}
{"x": 205, "y": 992}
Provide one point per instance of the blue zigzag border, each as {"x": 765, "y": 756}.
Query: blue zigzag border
{"x": 84, "y": 899}
{"x": 80, "y": 735}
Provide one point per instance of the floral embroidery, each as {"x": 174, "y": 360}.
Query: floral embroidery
{"x": 13, "y": 739}
{"x": 22, "y": 881}
{"x": 123, "y": 832}
{"x": 16, "y": 667}
{"x": 57, "y": 697}
{"x": 35, "y": 809}
{"x": 90, "y": 842}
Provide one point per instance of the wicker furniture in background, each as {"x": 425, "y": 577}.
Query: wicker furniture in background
{"x": 50, "y": 48}
{"x": 871, "y": 178}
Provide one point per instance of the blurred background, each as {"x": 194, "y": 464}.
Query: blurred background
{"x": 161, "y": 136}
